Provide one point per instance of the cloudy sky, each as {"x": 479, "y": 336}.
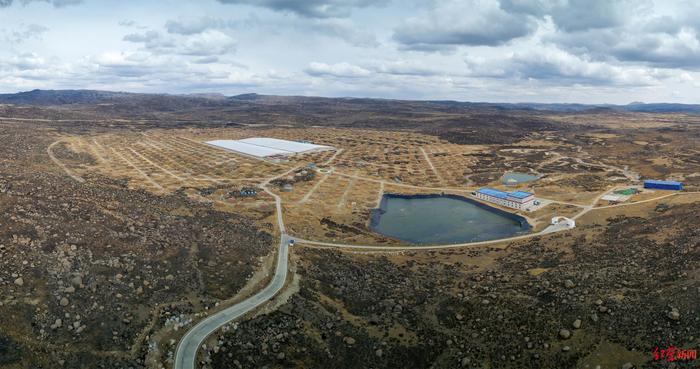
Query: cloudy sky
{"x": 589, "y": 51}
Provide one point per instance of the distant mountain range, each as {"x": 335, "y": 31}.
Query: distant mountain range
{"x": 168, "y": 102}
{"x": 60, "y": 97}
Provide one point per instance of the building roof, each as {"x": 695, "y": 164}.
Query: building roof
{"x": 285, "y": 145}
{"x": 653, "y": 181}
{"x": 504, "y": 195}
{"x": 494, "y": 193}
{"x": 519, "y": 194}
{"x": 247, "y": 149}
{"x": 263, "y": 147}
{"x": 627, "y": 191}
{"x": 611, "y": 197}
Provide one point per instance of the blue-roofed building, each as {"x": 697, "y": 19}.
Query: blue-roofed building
{"x": 663, "y": 185}
{"x": 520, "y": 194}
{"x": 493, "y": 193}
{"x": 520, "y": 200}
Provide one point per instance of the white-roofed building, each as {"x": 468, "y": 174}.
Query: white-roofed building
{"x": 264, "y": 147}
{"x": 290, "y": 146}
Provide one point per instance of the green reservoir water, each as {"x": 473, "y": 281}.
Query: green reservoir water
{"x": 515, "y": 178}
{"x": 443, "y": 219}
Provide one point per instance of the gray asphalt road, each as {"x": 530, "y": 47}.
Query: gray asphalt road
{"x": 186, "y": 353}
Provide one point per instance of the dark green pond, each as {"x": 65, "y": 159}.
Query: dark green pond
{"x": 515, "y": 178}
{"x": 443, "y": 219}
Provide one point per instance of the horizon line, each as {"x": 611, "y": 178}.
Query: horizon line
{"x": 345, "y": 97}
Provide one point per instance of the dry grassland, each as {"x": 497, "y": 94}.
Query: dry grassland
{"x": 336, "y": 203}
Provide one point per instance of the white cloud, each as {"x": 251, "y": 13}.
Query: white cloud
{"x": 506, "y": 50}
{"x": 470, "y": 22}
{"x": 342, "y": 29}
{"x": 311, "y": 8}
{"x": 341, "y": 70}
{"x": 24, "y": 33}
{"x": 55, "y": 3}
{"x": 202, "y": 44}
{"x": 551, "y": 65}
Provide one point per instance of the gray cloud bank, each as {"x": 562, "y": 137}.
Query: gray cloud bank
{"x": 461, "y": 49}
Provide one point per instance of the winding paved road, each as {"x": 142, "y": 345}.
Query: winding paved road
{"x": 186, "y": 353}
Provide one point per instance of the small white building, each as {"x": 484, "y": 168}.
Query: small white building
{"x": 613, "y": 198}
{"x": 568, "y": 223}
{"x": 517, "y": 199}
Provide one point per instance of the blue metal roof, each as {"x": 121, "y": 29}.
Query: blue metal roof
{"x": 520, "y": 194}
{"x": 504, "y": 195}
{"x": 672, "y": 183}
{"x": 494, "y": 193}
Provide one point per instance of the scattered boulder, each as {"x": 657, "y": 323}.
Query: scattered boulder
{"x": 577, "y": 324}
{"x": 77, "y": 281}
{"x": 564, "y": 334}
{"x": 57, "y": 324}
{"x": 674, "y": 314}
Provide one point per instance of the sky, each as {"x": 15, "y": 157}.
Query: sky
{"x": 557, "y": 51}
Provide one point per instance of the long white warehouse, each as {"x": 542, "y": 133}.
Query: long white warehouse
{"x": 264, "y": 147}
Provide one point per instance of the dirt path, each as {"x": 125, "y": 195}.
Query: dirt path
{"x": 403, "y": 184}
{"x": 344, "y": 196}
{"x": 94, "y": 149}
{"x": 186, "y": 171}
{"x": 380, "y": 195}
{"x": 138, "y": 170}
{"x": 330, "y": 160}
{"x": 147, "y": 160}
{"x": 313, "y": 189}
{"x": 432, "y": 167}
{"x": 49, "y": 150}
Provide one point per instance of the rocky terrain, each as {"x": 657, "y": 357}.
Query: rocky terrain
{"x": 601, "y": 297}
{"x": 96, "y": 274}
{"x": 86, "y": 268}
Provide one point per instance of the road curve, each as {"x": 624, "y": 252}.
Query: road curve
{"x": 302, "y": 241}
{"x": 49, "y": 151}
{"x": 186, "y": 353}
